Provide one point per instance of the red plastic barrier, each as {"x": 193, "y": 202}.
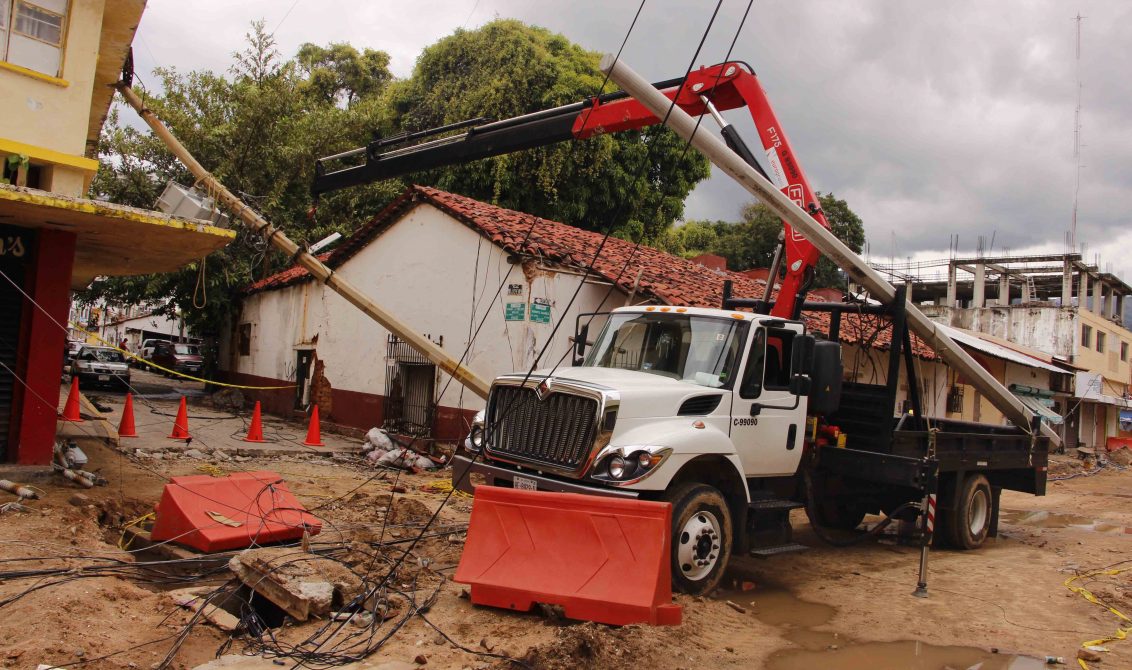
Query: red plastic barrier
{"x": 601, "y": 559}
{"x": 1115, "y": 443}
{"x": 220, "y": 513}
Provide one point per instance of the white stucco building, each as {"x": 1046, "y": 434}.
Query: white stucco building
{"x": 446, "y": 264}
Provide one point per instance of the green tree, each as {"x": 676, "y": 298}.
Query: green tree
{"x": 259, "y": 129}
{"x": 751, "y": 242}
{"x": 261, "y": 126}
{"x": 638, "y": 180}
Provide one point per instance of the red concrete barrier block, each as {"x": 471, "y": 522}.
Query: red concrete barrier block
{"x": 234, "y": 512}
{"x": 600, "y": 559}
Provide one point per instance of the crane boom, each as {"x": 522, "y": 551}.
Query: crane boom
{"x": 706, "y": 90}
{"x": 835, "y": 249}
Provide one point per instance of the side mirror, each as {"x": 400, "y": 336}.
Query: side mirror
{"x": 802, "y": 355}
{"x": 580, "y": 337}
{"x": 799, "y": 385}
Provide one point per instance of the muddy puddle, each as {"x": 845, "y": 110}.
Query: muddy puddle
{"x": 904, "y": 655}
{"x": 829, "y": 650}
{"x": 1044, "y": 519}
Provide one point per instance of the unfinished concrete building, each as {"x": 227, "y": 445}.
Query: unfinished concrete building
{"x": 1055, "y": 304}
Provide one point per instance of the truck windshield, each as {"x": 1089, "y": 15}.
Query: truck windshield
{"x": 697, "y": 349}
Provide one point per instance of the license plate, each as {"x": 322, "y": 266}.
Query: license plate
{"x": 103, "y": 378}
{"x": 526, "y": 484}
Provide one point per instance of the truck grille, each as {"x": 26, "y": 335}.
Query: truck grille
{"x": 558, "y": 431}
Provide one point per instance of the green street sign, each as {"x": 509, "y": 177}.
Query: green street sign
{"x": 540, "y": 313}
{"x": 515, "y": 311}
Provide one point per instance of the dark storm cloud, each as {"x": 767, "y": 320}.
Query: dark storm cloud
{"x": 931, "y": 119}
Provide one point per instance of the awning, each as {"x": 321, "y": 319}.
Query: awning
{"x": 973, "y": 341}
{"x": 113, "y": 240}
{"x": 1034, "y": 404}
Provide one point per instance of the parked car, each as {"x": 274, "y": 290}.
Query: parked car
{"x": 100, "y": 366}
{"x": 69, "y": 352}
{"x": 145, "y": 351}
{"x": 183, "y": 358}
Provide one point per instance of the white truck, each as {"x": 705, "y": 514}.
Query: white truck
{"x": 735, "y": 417}
{"x": 716, "y": 411}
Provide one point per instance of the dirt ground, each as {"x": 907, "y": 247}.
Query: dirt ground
{"x": 69, "y": 597}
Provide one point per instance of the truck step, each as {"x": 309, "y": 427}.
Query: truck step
{"x": 767, "y": 552}
{"x": 774, "y": 505}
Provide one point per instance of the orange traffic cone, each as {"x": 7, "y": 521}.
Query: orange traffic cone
{"x": 181, "y": 424}
{"x": 126, "y": 427}
{"x": 255, "y": 432}
{"x": 314, "y": 435}
{"x": 71, "y": 410}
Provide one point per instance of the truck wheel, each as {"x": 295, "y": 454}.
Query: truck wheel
{"x": 839, "y": 514}
{"x": 967, "y": 525}
{"x": 701, "y": 537}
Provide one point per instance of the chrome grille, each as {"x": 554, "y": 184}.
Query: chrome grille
{"x": 558, "y": 431}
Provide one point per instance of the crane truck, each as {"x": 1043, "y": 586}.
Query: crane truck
{"x": 738, "y": 414}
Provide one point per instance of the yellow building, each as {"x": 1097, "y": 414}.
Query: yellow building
{"x": 1057, "y": 305}
{"x": 59, "y": 61}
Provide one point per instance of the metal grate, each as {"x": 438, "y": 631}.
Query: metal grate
{"x": 558, "y": 431}
{"x": 700, "y": 405}
{"x": 410, "y": 388}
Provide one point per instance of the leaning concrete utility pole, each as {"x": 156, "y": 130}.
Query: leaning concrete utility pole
{"x": 833, "y": 248}
{"x": 281, "y": 242}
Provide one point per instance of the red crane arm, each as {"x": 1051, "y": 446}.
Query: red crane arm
{"x": 709, "y": 89}
{"x": 729, "y": 86}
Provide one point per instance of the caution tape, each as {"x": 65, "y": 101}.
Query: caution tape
{"x": 213, "y": 470}
{"x": 1122, "y": 630}
{"x": 173, "y": 372}
{"x": 443, "y": 486}
{"x": 123, "y": 543}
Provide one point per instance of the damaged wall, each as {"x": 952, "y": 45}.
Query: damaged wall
{"x": 434, "y": 272}
{"x": 1047, "y": 329}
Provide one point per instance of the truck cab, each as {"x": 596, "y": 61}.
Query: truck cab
{"x": 703, "y": 408}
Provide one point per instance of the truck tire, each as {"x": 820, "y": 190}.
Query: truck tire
{"x": 839, "y": 514}
{"x": 701, "y": 537}
{"x": 968, "y": 524}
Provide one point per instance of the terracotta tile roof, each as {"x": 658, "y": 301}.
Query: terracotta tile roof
{"x": 663, "y": 277}
{"x": 292, "y": 275}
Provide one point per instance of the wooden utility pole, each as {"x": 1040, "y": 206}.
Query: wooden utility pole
{"x": 327, "y": 276}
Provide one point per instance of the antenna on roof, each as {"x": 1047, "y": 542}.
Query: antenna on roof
{"x": 1076, "y": 136}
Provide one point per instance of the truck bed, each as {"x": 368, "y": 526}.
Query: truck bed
{"x": 894, "y": 450}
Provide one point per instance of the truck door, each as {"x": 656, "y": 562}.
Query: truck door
{"x": 768, "y": 439}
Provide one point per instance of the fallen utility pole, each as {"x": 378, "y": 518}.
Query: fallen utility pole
{"x": 828, "y": 243}
{"x": 327, "y": 276}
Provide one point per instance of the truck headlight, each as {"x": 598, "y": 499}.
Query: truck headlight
{"x": 475, "y": 437}
{"x": 628, "y": 464}
{"x": 618, "y": 467}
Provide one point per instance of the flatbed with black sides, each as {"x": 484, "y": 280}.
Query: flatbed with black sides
{"x": 884, "y": 461}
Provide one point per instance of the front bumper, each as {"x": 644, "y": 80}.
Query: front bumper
{"x": 504, "y": 475}
{"x": 104, "y": 378}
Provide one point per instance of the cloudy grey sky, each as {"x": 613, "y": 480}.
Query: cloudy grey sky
{"x": 929, "y": 118}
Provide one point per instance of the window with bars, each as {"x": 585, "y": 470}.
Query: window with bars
{"x": 955, "y": 399}
{"x": 32, "y": 33}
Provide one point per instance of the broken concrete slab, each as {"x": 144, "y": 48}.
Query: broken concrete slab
{"x": 302, "y": 584}
{"x": 192, "y": 599}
